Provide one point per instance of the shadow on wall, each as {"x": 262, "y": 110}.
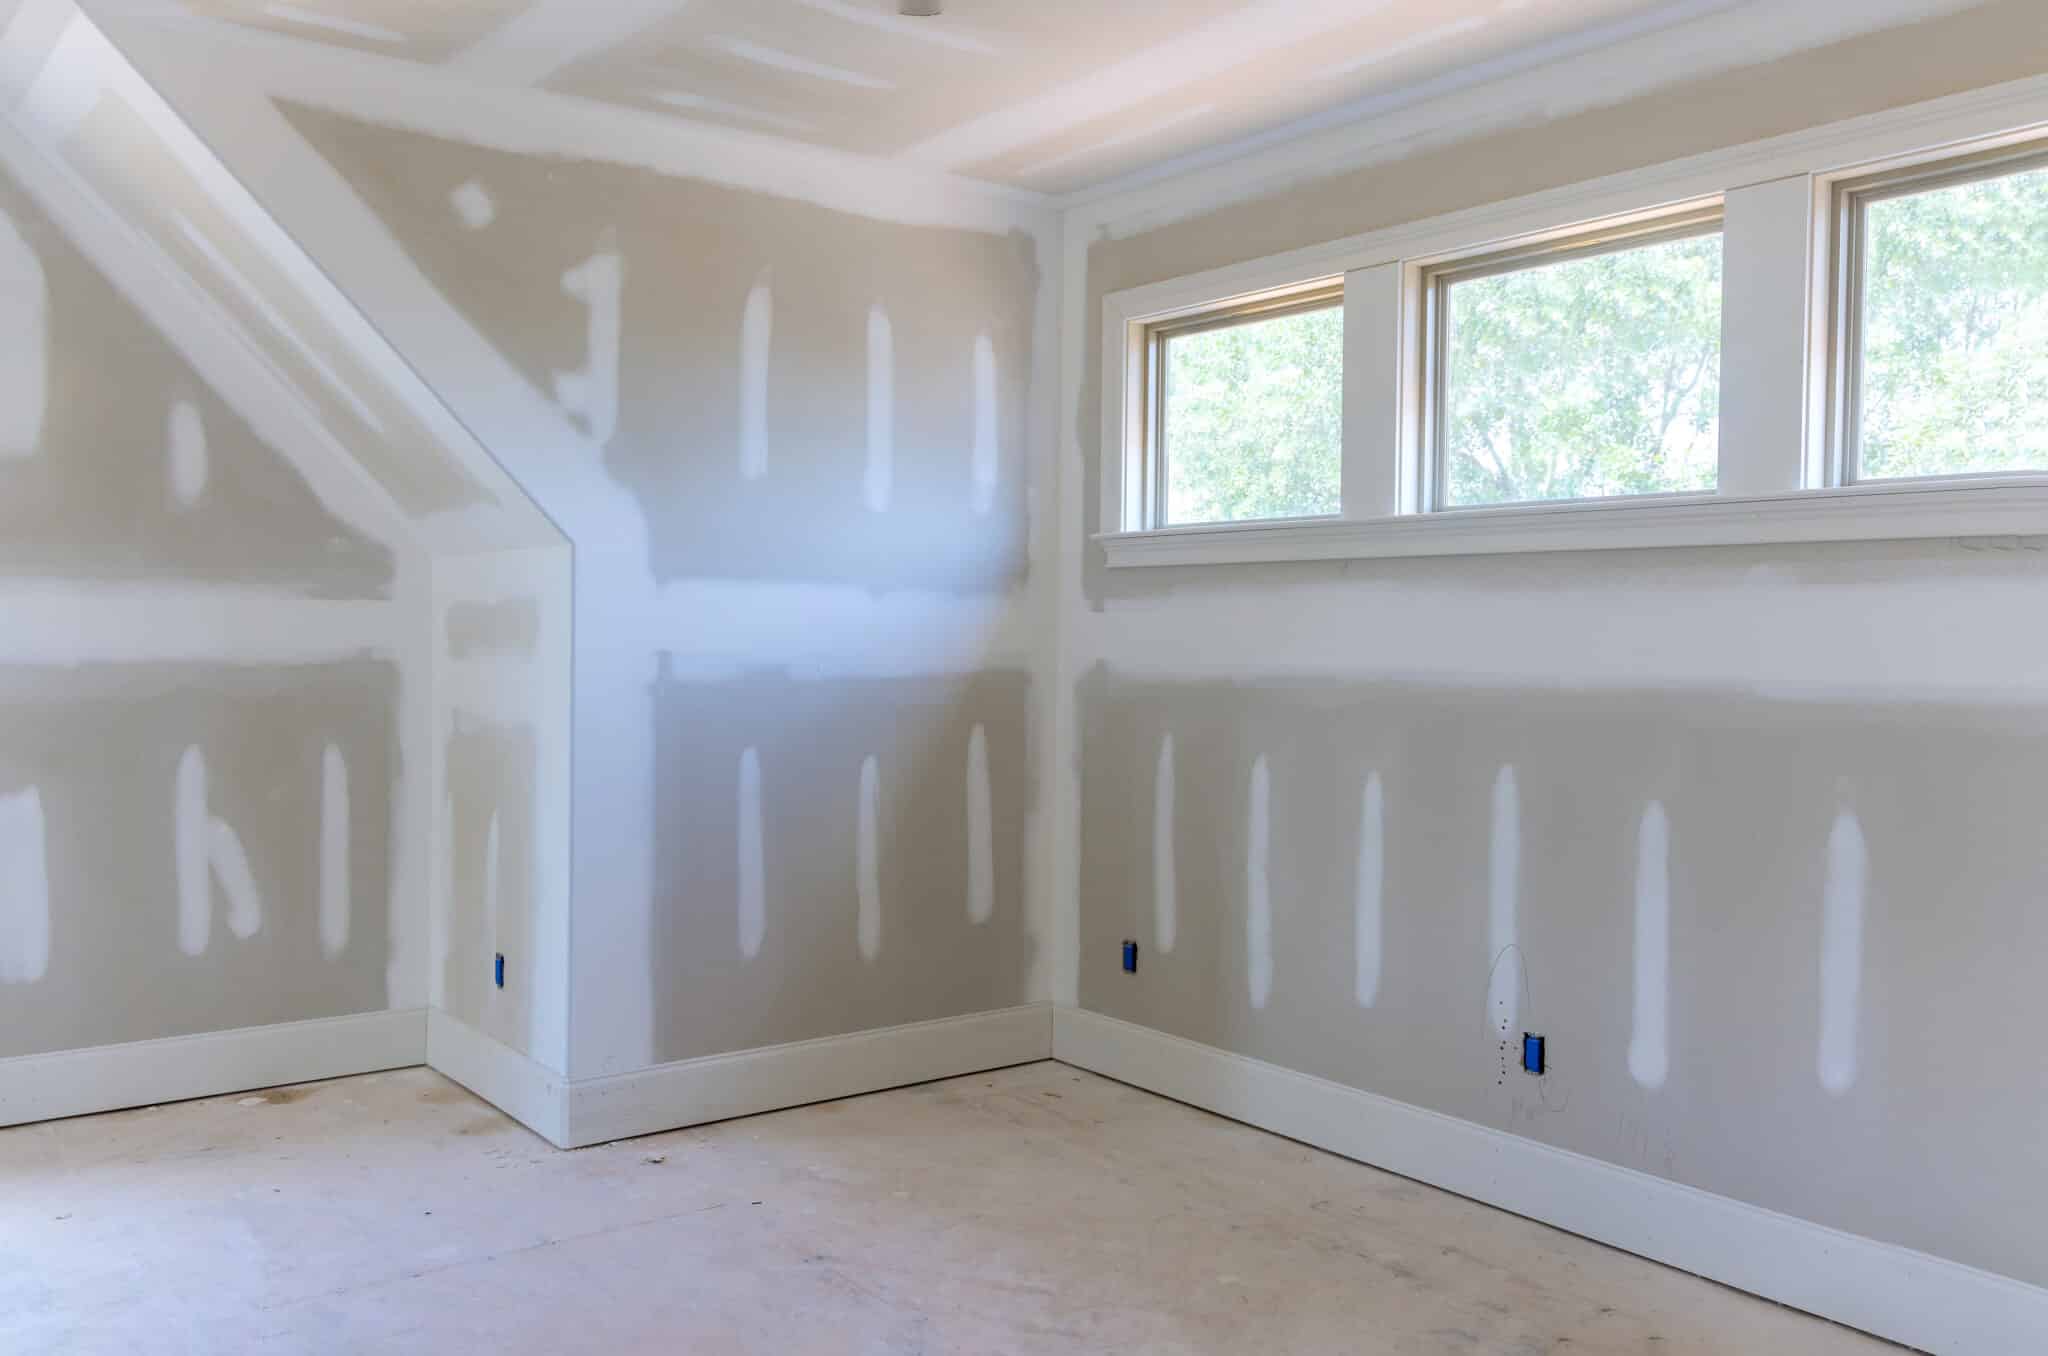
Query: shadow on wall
{"x": 836, "y": 856}
{"x": 213, "y": 845}
{"x": 117, "y": 462}
{"x": 789, "y": 392}
{"x": 1730, "y": 916}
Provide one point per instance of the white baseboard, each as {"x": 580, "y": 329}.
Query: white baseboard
{"x": 720, "y": 1087}
{"x": 177, "y": 1068}
{"x": 1892, "y": 1292}
{"x": 521, "y": 1087}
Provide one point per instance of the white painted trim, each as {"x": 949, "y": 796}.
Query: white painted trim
{"x": 177, "y": 1068}
{"x": 1899, "y": 511}
{"x": 719, "y": 1087}
{"x": 1767, "y": 239}
{"x": 521, "y": 1087}
{"x": 1376, "y": 476}
{"x": 1894, "y": 1292}
{"x": 1771, "y": 265}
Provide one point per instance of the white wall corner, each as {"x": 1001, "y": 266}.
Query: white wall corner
{"x": 749, "y": 1082}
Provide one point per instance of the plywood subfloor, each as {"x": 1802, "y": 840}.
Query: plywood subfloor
{"x": 1034, "y": 1210}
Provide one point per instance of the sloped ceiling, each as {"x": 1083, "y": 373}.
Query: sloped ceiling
{"x": 1048, "y": 95}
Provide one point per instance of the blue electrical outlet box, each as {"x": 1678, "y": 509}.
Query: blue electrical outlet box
{"x": 1532, "y": 1054}
{"x": 498, "y": 971}
{"x": 1130, "y": 958}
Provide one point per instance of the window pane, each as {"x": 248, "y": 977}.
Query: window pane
{"x": 1253, "y": 419}
{"x": 1588, "y": 377}
{"x": 1955, "y": 330}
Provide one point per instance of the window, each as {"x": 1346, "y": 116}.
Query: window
{"x": 1249, "y": 419}
{"x": 1584, "y": 371}
{"x": 1568, "y": 372}
{"x": 1944, "y": 305}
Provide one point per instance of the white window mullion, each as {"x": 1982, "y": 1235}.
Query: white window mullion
{"x": 1770, "y": 416}
{"x": 1376, "y": 473}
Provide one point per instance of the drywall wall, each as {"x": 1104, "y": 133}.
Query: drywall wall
{"x": 220, "y": 692}
{"x": 1743, "y": 831}
{"x": 782, "y": 403}
{"x": 78, "y": 499}
{"x": 501, "y": 773}
{"x": 200, "y": 682}
{"x": 193, "y": 848}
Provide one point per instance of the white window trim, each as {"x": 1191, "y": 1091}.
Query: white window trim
{"x": 1779, "y": 474}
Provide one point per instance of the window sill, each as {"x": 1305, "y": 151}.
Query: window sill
{"x": 1903, "y": 511}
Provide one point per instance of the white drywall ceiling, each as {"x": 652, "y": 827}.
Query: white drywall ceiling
{"x": 1049, "y": 95}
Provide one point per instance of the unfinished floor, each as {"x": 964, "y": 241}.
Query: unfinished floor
{"x": 1038, "y": 1209}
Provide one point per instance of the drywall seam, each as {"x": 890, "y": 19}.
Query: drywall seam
{"x": 59, "y": 624}
{"x": 981, "y": 830}
{"x": 753, "y": 867}
{"x": 757, "y": 340}
{"x": 987, "y": 470}
{"x": 1165, "y": 886}
{"x": 206, "y": 340}
{"x": 1503, "y": 908}
{"x": 1649, "y": 1049}
{"x": 538, "y": 122}
{"x": 1841, "y": 952}
{"x": 335, "y": 900}
{"x": 1368, "y": 911}
{"x": 82, "y": 65}
{"x": 592, "y": 391}
{"x": 868, "y": 861}
{"x": 1258, "y": 925}
{"x": 879, "y": 475}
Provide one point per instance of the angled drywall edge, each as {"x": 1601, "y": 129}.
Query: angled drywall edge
{"x": 56, "y": 81}
{"x": 512, "y": 117}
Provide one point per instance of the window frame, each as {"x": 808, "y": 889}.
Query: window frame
{"x": 1325, "y": 295}
{"x": 1851, "y": 197}
{"x": 1780, "y": 466}
{"x": 1438, "y": 278}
